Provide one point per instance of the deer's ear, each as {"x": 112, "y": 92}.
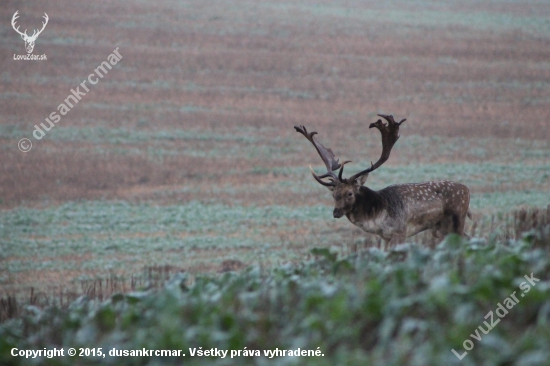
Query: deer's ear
{"x": 330, "y": 188}
{"x": 361, "y": 180}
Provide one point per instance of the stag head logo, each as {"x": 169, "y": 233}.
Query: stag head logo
{"x": 29, "y": 40}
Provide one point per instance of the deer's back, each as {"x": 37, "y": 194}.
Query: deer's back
{"x": 428, "y": 205}
{"x": 442, "y": 195}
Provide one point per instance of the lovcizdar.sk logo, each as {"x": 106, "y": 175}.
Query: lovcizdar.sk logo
{"x": 29, "y": 40}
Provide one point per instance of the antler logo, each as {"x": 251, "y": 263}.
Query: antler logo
{"x": 29, "y": 40}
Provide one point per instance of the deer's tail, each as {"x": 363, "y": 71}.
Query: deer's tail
{"x": 469, "y": 214}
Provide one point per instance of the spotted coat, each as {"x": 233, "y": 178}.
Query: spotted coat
{"x": 399, "y": 211}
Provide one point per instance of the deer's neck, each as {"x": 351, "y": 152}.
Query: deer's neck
{"x": 368, "y": 205}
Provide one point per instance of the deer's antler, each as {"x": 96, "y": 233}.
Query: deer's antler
{"x": 331, "y": 162}
{"x": 13, "y": 21}
{"x": 43, "y": 26}
{"x": 35, "y": 33}
{"x": 390, "y": 135}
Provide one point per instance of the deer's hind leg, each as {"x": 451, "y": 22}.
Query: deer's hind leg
{"x": 455, "y": 222}
{"x": 449, "y": 224}
{"x": 460, "y": 224}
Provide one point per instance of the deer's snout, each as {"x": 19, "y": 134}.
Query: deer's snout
{"x": 337, "y": 213}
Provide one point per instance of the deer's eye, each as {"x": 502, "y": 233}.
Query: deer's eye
{"x": 350, "y": 194}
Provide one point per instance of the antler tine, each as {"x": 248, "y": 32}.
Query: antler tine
{"x": 320, "y": 180}
{"x": 342, "y": 170}
{"x": 389, "y": 118}
{"x": 326, "y": 155}
{"x": 14, "y": 19}
{"x": 327, "y": 175}
{"x": 390, "y": 135}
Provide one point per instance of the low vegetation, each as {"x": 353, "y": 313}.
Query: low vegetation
{"x": 409, "y": 305}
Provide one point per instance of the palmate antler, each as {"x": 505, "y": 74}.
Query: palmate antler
{"x": 390, "y": 135}
{"x": 331, "y": 162}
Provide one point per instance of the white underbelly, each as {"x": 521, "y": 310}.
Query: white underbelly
{"x": 382, "y": 225}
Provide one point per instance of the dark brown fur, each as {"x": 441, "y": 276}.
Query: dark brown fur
{"x": 399, "y": 211}
{"x": 395, "y": 212}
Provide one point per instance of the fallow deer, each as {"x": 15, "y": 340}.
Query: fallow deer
{"x": 398, "y": 211}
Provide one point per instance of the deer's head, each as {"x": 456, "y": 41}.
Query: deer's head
{"x": 345, "y": 194}
{"x": 345, "y": 190}
{"x": 29, "y": 40}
